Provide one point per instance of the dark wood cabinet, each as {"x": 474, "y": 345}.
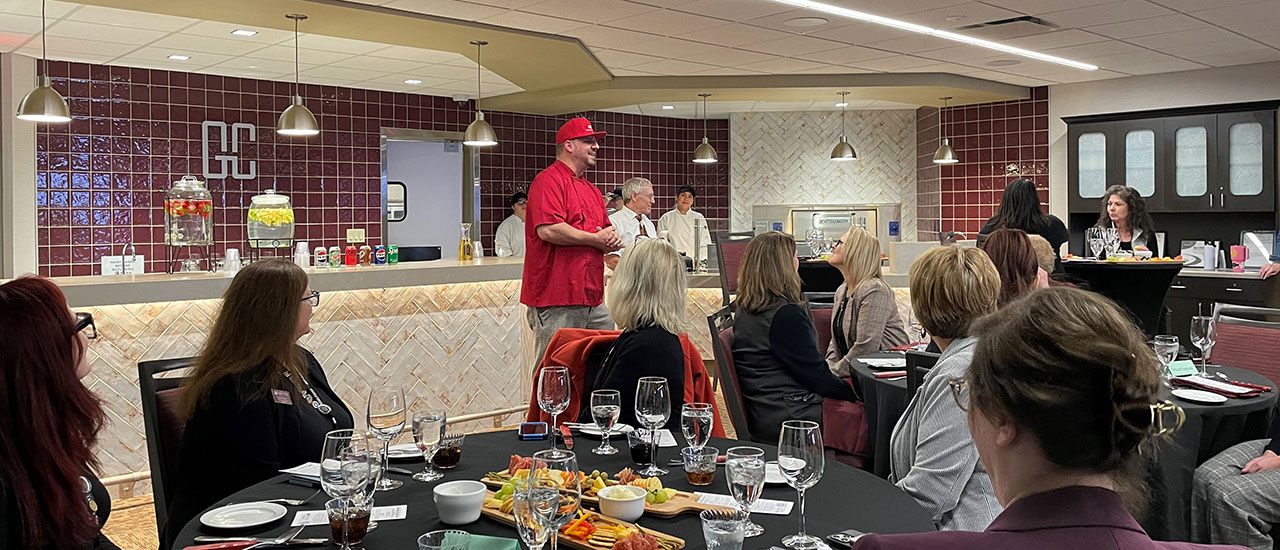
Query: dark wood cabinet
{"x": 1189, "y": 296}
{"x": 1190, "y": 162}
{"x": 1246, "y": 161}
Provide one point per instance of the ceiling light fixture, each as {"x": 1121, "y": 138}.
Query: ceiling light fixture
{"x": 413, "y": 82}
{"x": 179, "y": 57}
{"x": 945, "y": 154}
{"x": 243, "y": 32}
{"x": 705, "y": 153}
{"x": 947, "y": 35}
{"x": 479, "y": 133}
{"x": 843, "y": 102}
{"x": 843, "y": 151}
{"x": 44, "y": 104}
{"x": 805, "y": 22}
{"x": 668, "y": 107}
{"x": 297, "y": 120}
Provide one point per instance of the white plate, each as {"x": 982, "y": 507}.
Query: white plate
{"x": 1198, "y": 396}
{"x": 616, "y": 430}
{"x": 404, "y": 450}
{"x": 248, "y": 514}
{"x": 773, "y": 474}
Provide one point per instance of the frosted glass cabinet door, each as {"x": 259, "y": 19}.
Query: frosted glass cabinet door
{"x": 1140, "y": 161}
{"x": 1245, "y": 158}
{"x": 1092, "y": 156}
{"x": 1191, "y": 161}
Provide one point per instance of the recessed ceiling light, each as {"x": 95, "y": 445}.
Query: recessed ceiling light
{"x": 954, "y": 18}
{"x": 413, "y": 82}
{"x": 243, "y": 32}
{"x": 177, "y": 57}
{"x": 668, "y": 107}
{"x": 1004, "y": 63}
{"x": 921, "y": 29}
{"x": 805, "y": 22}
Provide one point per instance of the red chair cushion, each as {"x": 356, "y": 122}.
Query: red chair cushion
{"x": 169, "y": 423}
{"x": 822, "y": 322}
{"x": 1249, "y": 347}
{"x": 733, "y": 252}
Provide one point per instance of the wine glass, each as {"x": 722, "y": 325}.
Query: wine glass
{"x": 347, "y": 465}
{"x": 532, "y": 530}
{"x": 744, "y": 472}
{"x": 1111, "y": 236}
{"x": 553, "y": 394}
{"x": 386, "y": 414}
{"x": 428, "y": 431}
{"x": 801, "y": 460}
{"x": 606, "y": 407}
{"x": 1203, "y": 337}
{"x": 1166, "y": 348}
{"x": 695, "y": 423}
{"x": 1096, "y": 240}
{"x": 653, "y": 408}
{"x": 554, "y": 498}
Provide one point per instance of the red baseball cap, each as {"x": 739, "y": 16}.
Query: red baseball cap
{"x": 576, "y": 128}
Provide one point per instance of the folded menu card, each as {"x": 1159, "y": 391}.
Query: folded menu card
{"x": 380, "y": 513}
{"x": 1184, "y": 367}
{"x": 762, "y": 506}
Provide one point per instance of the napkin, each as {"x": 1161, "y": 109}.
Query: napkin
{"x": 481, "y": 542}
{"x": 1212, "y": 386}
{"x": 885, "y": 363}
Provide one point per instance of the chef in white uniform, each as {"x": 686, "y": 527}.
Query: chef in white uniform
{"x": 679, "y": 224}
{"x": 509, "y": 240}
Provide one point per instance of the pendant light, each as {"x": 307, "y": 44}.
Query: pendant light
{"x": 945, "y": 154}
{"x": 44, "y": 104}
{"x": 843, "y": 151}
{"x": 479, "y": 133}
{"x": 705, "y": 153}
{"x": 297, "y": 120}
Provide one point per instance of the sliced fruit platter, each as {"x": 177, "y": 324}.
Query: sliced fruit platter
{"x": 1125, "y": 259}
{"x": 592, "y": 531}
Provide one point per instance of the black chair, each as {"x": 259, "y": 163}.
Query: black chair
{"x": 918, "y": 365}
{"x": 730, "y": 248}
{"x": 720, "y": 324}
{"x": 160, "y": 398}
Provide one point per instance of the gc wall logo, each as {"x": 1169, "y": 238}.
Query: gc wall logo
{"x": 226, "y": 164}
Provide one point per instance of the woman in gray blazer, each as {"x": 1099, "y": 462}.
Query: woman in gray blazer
{"x": 866, "y": 316}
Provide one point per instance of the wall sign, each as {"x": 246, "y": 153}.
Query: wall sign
{"x": 226, "y": 164}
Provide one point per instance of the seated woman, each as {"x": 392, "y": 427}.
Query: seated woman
{"x": 49, "y": 497}
{"x": 866, "y": 313}
{"x": 1061, "y": 395}
{"x": 931, "y": 455}
{"x": 781, "y": 373}
{"x": 647, "y": 302}
{"x": 1235, "y": 496}
{"x": 1015, "y": 260}
{"x": 1020, "y": 209}
{"x": 256, "y": 401}
{"x": 1124, "y": 209}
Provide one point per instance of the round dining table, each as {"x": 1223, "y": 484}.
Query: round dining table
{"x": 1208, "y": 430}
{"x": 845, "y": 498}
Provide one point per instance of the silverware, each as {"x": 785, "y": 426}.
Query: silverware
{"x": 401, "y": 471}
{"x": 205, "y": 539}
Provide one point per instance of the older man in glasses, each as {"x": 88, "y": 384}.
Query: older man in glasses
{"x": 632, "y": 220}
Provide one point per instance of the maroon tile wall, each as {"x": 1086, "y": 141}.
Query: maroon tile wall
{"x": 101, "y": 179}
{"x": 997, "y": 143}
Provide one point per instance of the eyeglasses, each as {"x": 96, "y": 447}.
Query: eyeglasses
{"x": 837, "y": 242}
{"x": 960, "y": 391}
{"x": 314, "y": 298}
{"x": 85, "y": 320}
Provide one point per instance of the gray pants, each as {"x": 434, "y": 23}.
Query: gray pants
{"x": 545, "y": 321}
{"x": 1228, "y": 507}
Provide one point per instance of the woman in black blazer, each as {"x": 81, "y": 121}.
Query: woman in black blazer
{"x": 256, "y": 401}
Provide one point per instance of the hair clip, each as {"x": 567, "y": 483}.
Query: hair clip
{"x": 1157, "y": 410}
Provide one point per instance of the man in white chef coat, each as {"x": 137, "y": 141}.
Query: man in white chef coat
{"x": 632, "y": 220}
{"x": 680, "y": 222}
{"x": 509, "y": 240}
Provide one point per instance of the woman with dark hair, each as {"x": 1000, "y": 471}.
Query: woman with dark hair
{"x": 49, "y": 498}
{"x": 1124, "y": 209}
{"x": 1015, "y": 259}
{"x": 1061, "y": 395}
{"x": 1020, "y": 209}
{"x": 257, "y": 402}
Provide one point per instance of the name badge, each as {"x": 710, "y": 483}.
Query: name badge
{"x": 282, "y": 397}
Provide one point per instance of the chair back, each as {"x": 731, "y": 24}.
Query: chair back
{"x": 1247, "y": 337}
{"x": 730, "y": 248}
{"x": 720, "y": 324}
{"x": 918, "y": 365}
{"x": 821, "y": 313}
{"x": 164, "y": 427}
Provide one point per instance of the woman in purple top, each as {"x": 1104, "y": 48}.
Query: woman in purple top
{"x": 1061, "y": 394}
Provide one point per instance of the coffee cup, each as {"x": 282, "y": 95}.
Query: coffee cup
{"x": 459, "y": 502}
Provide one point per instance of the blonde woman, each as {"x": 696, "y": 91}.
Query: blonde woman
{"x": 647, "y": 302}
{"x": 866, "y": 314}
{"x": 781, "y": 373}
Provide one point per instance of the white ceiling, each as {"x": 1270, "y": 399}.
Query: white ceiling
{"x": 691, "y": 37}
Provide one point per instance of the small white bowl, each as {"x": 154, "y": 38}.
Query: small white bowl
{"x": 459, "y": 502}
{"x": 623, "y": 502}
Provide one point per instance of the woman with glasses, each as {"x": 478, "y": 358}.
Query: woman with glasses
{"x": 256, "y": 401}
{"x": 49, "y": 424}
{"x": 866, "y": 316}
{"x": 1063, "y": 400}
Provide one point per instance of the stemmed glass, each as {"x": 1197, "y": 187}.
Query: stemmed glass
{"x": 1166, "y": 348}
{"x": 653, "y": 408}
{"x": 347, "y": 465}
{"x": 801, "y": 460}
{"x": 606, "y": 407}
{"x": 553, "y": 395}
{"x": 1203, "y": 337}
{"x": 1111, "y": 236}
{"x": 1096, "y": 239}
{"x": 428, "y": 431}
{"x": 744, "y": 472}
{"x": 554, "y": 498}
{"x": 695, "y": 423}
{"x": 386, "y": 416}
{"x": 532, "y": 531}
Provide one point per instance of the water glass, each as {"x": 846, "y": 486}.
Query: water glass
{"x": 554, "y": 499}
{"x": 700, "y": 464}
{"x": 695, "y": 422}
{"x": 553, "y": 395}
{"x": 606, "y": 407}
{"x": 347, "y": 461}
{"x": 723, "y": 529}
{"x": 638, "y": 441}
{"x": 532, "y": 531}
{"x": 1097, "y": 241}
{"x": 386, "y": 417}
{"x": 428, "y": 431}
{"x": 653, "y": 408}
{"x": 801, "y": 461}
{"x": 744, "y": 472}
{"x": 445, "y": 539}
{"x": 1203, "y": 336}
{"x": 1166, "y": 348}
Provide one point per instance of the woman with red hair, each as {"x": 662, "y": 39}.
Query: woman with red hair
{"x": 1015, "y": 259}
{"x": 49, "y": 424}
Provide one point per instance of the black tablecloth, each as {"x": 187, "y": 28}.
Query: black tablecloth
{"x": 845, "y": 498}
{"x": 1139, "y": 287}
{"x": 884, "y": 402}
{"x": 819, "y": 276}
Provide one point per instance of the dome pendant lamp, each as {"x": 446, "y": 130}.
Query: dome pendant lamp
{"x": 479, "y": 133}
{"x": 945, "y": 154}
{"x": 843, "y": 151}
{"x": 44, "y": 104}
{"x": 297, "y": 120}
{"x": 705, "y": 153}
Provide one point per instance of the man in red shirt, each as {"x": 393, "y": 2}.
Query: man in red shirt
{"x": 566, "y": 236}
